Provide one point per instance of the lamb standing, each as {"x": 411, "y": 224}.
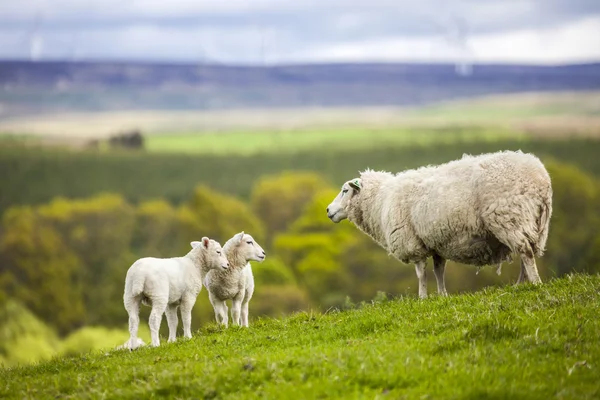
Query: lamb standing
{"x": 478, "y": 210}
{"x": 236, "y": 283}
{"x": 166, "y": 284}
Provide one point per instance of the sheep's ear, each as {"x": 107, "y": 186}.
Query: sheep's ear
{"x": 240, "y": 236}
{"x": 355, "y": 184}
{"x": 195, "y": 244}
{"x": 205, "y": 242}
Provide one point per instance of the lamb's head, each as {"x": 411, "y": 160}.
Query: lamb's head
{"x": 212, "y": 253}
{"x": 242, "y": 248}
{"x": 338, "y": 209}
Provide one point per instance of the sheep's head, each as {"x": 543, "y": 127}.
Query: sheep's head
{"x": 213, "y": 253}
{"x": 244, "y": 248}
{"x": 338, "y": 209}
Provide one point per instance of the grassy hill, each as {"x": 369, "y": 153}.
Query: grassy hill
{"x": 513, "y": 342}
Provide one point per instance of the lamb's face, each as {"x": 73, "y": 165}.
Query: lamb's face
{"x": 338, "y": 209}
{"x": 249, "y": 248}
{"x": 215, "y": 257}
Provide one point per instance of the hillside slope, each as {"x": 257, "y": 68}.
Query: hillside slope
{"x": 513, "y": 342}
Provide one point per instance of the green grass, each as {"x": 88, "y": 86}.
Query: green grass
{"x": 246, "y": 143}
{"x": 521, "y": 342}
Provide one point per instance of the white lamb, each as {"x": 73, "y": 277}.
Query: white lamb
{"x": 237, "y": 282}
{"x": 479, "y": 210}
{"x": 166, "y": 284}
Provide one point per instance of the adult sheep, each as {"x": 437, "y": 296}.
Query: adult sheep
{"x": 166, "y": 284}
{"x": 478, "y": 210}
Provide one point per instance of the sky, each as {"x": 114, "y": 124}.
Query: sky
{"x": 268, "y": 32}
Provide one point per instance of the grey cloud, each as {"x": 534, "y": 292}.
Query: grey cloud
{"x": 297, "y": 24}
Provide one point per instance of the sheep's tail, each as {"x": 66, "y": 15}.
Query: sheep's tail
{"x": 545, "y": 214}
{"x": 134, "y": 285}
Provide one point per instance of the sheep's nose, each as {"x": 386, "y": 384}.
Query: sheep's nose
{"x": 327, "y": 210}
{"x": 264, "y": 254}
{"x": 228, "y": 264}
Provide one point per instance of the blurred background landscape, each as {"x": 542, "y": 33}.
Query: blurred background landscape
{"x": 130, "y": 133}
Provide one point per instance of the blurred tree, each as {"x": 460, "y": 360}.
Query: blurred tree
{"x": 278, "y": 200}
{"x": 575, "y": 223}
{"x": 218, "y": 216}
{"x": 313, "y": 247}
{"x": 273, "y": 271}
{"x": 278, "y": 300}
{"x": 156, "y": 231}
{"x": 24, "y": 338}
{"x": 99, "y": 230}
{"x": 40, "y": 269}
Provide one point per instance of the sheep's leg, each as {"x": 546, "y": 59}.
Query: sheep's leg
{"x": 220, "y": 309}
{"x": 522, "y": 275}
{"x": 421, "y": 274}
{"x": 223, "y": 312}
{"x": 244, "y": 314}
{"x": 172, "y": 321}
{"x": 236, "y": 309}
{"x": 186, "y": 315}
{"x": 132, "y": 306}
{"x": 528, "y": 265}
{"x": 158, "y": 308}
{"x": 439, "y": 268}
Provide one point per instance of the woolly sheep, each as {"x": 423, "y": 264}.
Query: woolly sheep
{"x": 478, "y": 210}
{"x": 237, "y": 282}
{"x": 166, "y": 284}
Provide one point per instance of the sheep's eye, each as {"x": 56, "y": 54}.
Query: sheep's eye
{"x": 344, "y": 191}
{"x": 250, "y": 242}
{"x": 218, "y": 252}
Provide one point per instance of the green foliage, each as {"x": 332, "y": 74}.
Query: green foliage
{"x": 273, "y": 271}
{"x": 515, "y": 342}
{"x": 575, "y": 224}
{"x": 37, "y": 261}
{"x": 278, "y": 200}
{"x": 218, "y": 216}
{"x": 23, "y": 337}
{"x": 92, "y": 338}
{"x": 278, "y": 300}
{"x": 156, "y": 232}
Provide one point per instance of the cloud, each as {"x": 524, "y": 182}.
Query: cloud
{"x": 254, "y": 31}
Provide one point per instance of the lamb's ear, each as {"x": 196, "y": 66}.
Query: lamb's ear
{"x": 195, "y": 244}
{"x": 355, "y": 184}
{"x": 205, "y": 242}
{"x": 240, "y": 236}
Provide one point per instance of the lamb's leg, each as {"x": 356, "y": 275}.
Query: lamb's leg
{"x": 528, "y": 265}
{"x": 420, "y": 269}
{"x": 186, "y": 315}
{"x": 172, "y": 321}
{"x": 439, "y": 268}
{"x": 236, "y": 309}
{"x": 220, "y": 309}
{"x": 132, "y": 305}
{"x": 244, "y": 314}
{"x": 158, "y": 308}
{"x": 223, "y": 313}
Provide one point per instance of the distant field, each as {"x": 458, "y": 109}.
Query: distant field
{"x": 341, "y": 139}
{"x": 538, "y": 114}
